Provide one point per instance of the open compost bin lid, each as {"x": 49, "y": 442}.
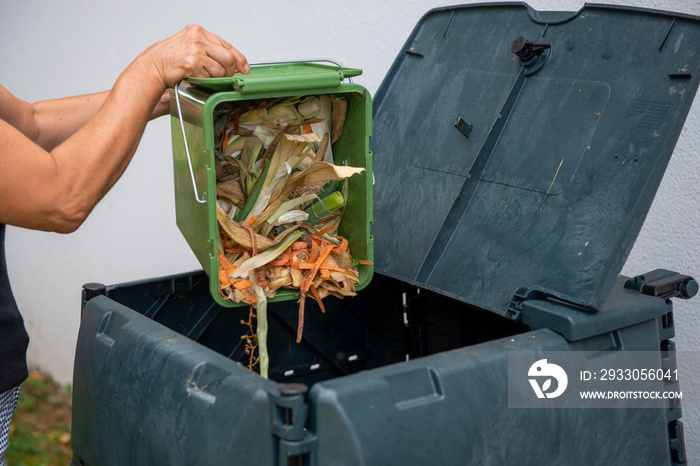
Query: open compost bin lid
{"x": 498, "y": 176}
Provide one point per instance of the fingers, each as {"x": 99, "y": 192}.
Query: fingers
{"x": 226, "y": 55}
{"x": 193, "y": 52}
{"x": 241, "y": 62}
{"x": 210, "y": 68}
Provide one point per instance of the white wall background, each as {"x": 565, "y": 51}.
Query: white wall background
{"x": 53, "y": 49}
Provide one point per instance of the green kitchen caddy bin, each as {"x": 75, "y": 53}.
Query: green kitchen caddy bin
{"x": 193, "y": 116}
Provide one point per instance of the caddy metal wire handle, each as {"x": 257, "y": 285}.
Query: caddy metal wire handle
{"x": 182, "y": 122}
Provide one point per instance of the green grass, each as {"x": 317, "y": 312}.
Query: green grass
{"x": 40, "y": 430}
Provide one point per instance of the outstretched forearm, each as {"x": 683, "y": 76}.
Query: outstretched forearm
{"x": 96, "y": 155}
{"x": 57, "y": 120}
{"x": 50, "y": 122}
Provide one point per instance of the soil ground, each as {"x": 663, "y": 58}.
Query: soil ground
{"x": 40, "y": 429}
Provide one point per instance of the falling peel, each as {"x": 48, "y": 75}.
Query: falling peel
{"x": 276, "y": 178}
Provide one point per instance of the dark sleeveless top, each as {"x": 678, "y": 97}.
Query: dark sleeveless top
{"x": 13, "y": 337}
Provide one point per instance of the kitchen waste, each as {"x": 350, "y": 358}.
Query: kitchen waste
{"x": 280, "y": 200}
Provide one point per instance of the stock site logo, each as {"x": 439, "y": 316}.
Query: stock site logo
{"x": 546, "y": 372}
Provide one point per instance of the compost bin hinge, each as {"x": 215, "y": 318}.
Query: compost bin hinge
{"x": 296, "y": 445}
{"x": 664, "y": 284}
{"x": 514, "y": 311}
{"x": 515, "y": 308}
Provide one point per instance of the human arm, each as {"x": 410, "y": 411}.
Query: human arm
{"x": 56, "y": 189}
{"x": 50, "y": 122}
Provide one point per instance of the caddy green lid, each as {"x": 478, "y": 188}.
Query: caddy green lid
{"x": 517, "y": 152}
{"x": 271, "y": 77}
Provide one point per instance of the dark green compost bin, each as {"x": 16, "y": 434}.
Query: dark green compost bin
{"x": 516, "y": 154}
